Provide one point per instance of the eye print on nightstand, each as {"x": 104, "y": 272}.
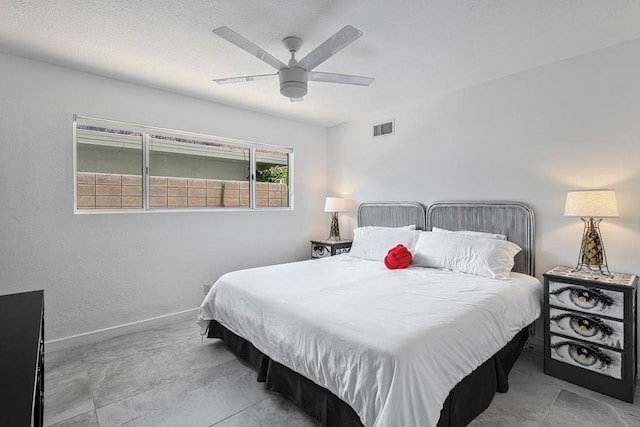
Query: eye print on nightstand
{"x": 586, "y": 356}
{"x": 587, "y": 299}
{"x": 321, "y": 251}
{"x": 590, "y": 300}
{"x": 589, "y": 328}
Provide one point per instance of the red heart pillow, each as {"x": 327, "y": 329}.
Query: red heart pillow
{"x": 398, "y": 257}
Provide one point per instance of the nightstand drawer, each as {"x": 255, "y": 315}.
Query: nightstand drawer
{"x": 587, "y": 299}
{"x": 344, "y": 250}
{"x": 586, "y": 356}
{"x": 327, "y": 248}
{"x": 320, "y": 251}
{"x": 587, "y": 327}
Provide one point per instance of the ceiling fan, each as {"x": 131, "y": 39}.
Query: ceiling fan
{"x": 295, "y": 75}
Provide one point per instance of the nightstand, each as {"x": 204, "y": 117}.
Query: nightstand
{"x": 327, "y": 248}
{"x": 590, "y": 330}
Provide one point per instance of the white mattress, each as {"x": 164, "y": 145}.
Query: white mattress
{"x": 390, "y": 343}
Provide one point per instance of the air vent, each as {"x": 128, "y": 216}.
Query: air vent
{"x": 382, "y": 129}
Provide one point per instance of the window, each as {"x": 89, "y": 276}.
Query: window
{"x": 121, "y": 166}
{"x": 272, "y": 174}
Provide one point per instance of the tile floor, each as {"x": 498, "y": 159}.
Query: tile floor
{"x": 168, "y": 377}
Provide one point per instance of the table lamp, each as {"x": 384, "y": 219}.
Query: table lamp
{"x": 334, "y": 205}
{"x": 591, "y": 206}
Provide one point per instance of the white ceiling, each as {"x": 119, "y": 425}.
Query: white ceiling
{"x": 414, "y": 48}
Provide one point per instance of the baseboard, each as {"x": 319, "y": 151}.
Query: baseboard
{"x": 115, "y": 331}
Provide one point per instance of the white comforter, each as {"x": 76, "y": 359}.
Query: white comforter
{"x": 390, "y": 343}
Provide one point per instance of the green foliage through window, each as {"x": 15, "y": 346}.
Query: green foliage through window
{"x": 279, "y": 174}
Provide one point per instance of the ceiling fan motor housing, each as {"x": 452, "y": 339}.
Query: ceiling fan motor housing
{"x": 293, "y": 82}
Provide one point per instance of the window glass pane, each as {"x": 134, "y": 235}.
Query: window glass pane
{"x": 190, "y": 173}
{"x": 272, "y": 176}
{"x": 108, "y": 167}
{"x": 121, "y": 165}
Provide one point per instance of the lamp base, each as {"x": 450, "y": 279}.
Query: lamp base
{"x": 334, "y": 233}
{"x": 592, "y": 255}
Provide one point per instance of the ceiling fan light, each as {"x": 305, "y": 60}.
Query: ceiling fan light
{"x": 293, "y": 89}
{"x": 293, "y": 82}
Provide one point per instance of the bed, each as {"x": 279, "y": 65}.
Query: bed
{"x": 356, "y": 344}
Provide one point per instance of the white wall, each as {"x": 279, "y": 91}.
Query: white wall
{"x": 138, "y": 266}
{"x": 529, "y": 137}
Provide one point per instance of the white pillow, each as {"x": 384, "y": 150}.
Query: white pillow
{"x": 471, "y": 233}
{"x": 461, "y": 253}
{"x": 374, "y": 242}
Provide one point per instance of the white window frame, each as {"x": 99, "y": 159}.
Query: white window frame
{"x": 146, "y": 131}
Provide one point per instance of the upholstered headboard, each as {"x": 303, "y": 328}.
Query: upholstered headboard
{"x": 392, "y": 214}
{"x": 513, "y": 219}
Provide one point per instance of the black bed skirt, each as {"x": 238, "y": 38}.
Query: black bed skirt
{"x": 469, "y": 398}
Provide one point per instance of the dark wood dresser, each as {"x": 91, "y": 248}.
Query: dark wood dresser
{"x": 22, "y": 359}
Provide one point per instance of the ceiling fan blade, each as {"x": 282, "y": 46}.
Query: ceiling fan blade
{"x": 244, "y": 79}
{"x": 296, "y": 99}
{"x": 318, "y": 76}
{"x": 235, "y": 38}
{"x": 330, "y": 47}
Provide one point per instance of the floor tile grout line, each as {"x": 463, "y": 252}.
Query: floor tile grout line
{"x": 94, "y": 397}
{"x": 550, "y": 406}
{"x": 615, "y": 408}
{"x": 242, "y": 410}
{"x": 585, "y": 393}
{"x": 66, "y": 374}
{"x": 580, "y": 391}
{"x": 86, "y": 354}
{"x": 130, "y": 396}
{"x": 576, "y": 392}
{"x": 77, "y": 415}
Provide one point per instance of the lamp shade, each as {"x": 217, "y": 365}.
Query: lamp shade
{"x": 334, "y": 204}
{"x": 591, "y": 204}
